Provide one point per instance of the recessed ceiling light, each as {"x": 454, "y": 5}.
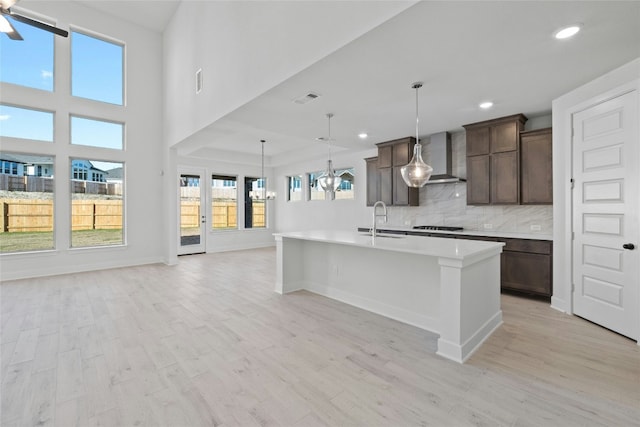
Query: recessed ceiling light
{"x": 362, "y": 135}
{"x": 567, "y": 32}
{"x": 485, "y": 105}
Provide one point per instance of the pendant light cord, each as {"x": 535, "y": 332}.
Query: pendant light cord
{"x": 417, "y": 86}
{"x": 329, "y": 115}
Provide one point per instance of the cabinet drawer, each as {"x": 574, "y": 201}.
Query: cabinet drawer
{"x": 531, "y": 246}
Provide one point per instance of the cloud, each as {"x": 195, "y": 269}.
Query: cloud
{"x": 4, "y": 117}
{"x": 46, "y": 74}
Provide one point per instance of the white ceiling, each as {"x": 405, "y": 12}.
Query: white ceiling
{"x": 151, "y": 14}
{"x": 464, "y": 52}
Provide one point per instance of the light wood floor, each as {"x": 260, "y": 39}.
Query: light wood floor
{"x": 208, "y": 342}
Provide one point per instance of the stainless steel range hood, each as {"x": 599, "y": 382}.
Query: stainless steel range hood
{"x": 440, "y": 159}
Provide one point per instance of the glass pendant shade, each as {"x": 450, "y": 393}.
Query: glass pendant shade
{"x": 328, "y": 181}
{"x": 416, "y": 173}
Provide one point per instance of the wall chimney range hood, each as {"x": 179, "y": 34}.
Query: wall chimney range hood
{"x": 440, "y": 159}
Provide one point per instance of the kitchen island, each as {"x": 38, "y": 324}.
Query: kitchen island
{"x": 447, "y": 286}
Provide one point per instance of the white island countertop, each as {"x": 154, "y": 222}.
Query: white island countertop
{"x": 458, "y": 249}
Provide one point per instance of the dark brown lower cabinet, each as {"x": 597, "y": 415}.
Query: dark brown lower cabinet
{"x": 526, "y": 265}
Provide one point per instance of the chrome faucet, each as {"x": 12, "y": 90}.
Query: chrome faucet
{"x": 375, "y": 215}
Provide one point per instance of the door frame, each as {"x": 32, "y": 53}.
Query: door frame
{"x": 611, "y": 85}
{"x": 204, "y": 211}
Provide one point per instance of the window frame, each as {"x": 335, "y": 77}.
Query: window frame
{"x": 225, "y": 179}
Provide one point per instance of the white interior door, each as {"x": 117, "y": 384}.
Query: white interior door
{"x": 192, "y": 213}
{"x": 606, "y": 256}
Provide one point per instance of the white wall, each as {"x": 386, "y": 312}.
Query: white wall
{"x": 246, "y": 48}
{"x": 143, "y": 156}
{"x": 597, "y": 90}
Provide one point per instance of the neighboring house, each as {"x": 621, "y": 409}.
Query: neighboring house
{"x": 347, "y": 179}
{"x": 83, "y": 170}
{"x": 26, "y": 165}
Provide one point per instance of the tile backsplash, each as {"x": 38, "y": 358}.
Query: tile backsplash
{"x": 446, "y": 204}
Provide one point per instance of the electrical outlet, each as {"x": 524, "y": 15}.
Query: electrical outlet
{"x": 488, "y": 226}
{"x": 535, "y": 227}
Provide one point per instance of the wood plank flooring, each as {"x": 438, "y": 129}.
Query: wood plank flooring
{"x": 208, "y": 343}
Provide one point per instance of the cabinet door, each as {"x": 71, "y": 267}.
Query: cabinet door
{"x": 537, "y": 168}
{"x": 373, "y": 181}
{"x": 504, "y": 137}
{"x": 385, "y": 156}
{"x": 526, "y": 272}
{"x": 386, "y": 185}
{"x": 504, "y": 178}
{"x": 402, "y": 154}
{"x": 478, "y": 180}
{"x": 477, "y": 141}
{"x": 400, "y": 189}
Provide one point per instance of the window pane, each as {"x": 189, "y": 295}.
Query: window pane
{"x": 96, "y": 133}
{"x": 34, "y": 69}
{"x": 224, "y": 202}
{"x": 254, "y": 206}
{"x": 315, "y": 191}
{"x": 96, "y": 69}
{"x": 295, "y": 188}
{"x": 26, "y": 199}
{"x": 96, "y": 203}
{"x": 24, "y": 123}
{"x": 345, "y": 190}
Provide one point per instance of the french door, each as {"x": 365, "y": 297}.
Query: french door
{"x": 192, "y": 212}
{"x": 606, "y": 257}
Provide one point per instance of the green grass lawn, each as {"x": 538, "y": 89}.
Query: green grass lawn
{"x": 20, "y": 242}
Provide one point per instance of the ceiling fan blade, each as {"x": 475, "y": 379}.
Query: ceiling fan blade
{"x": 37, "y": 24}
{"x": 9, "y": 29}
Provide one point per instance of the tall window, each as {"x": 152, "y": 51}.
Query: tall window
{"x": 255, "y": 212}
{"x": 224, "y": 202}
{"x": 26, "y": 123}
{"x": 97, "y": 133}
{"x": 346, "y": 189}
{"x": 97, "y": 214}
{"x": 315, "y": 192}
{"x": 26, "y": 203}
{"x": 35, "y": 69}
{"x": 295, "y": 188}
{"x": 96, "y": 69}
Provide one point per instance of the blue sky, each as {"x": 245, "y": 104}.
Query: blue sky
{"x": 96, "y": 74}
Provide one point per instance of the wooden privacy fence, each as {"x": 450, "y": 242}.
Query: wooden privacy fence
{"x": 224, "y": 214}
{"x": 26, "y": 215}
{"x": 20, "y": 215}
{"x": 96, "y": 214}
{"x": 37, "y": 215}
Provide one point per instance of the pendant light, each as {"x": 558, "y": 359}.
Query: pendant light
{"x": 328, "y": 181}
{"x": 416, "y": 173}
{"x": 264, "y": 194}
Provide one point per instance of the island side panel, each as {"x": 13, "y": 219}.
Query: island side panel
{"x": 399, "y": 285}
{"x": 289, "y": 264}
{"x": 472, "y": 294}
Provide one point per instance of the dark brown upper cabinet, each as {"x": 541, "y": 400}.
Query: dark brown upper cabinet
{"x": 537, "y": 167}
{"x": 384, "y": 180}
{"x": 373, "y": 180}
{"x": 493, "y": 160}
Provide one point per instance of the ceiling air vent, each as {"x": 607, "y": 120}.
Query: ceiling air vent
{"x": 306, "y": 98}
